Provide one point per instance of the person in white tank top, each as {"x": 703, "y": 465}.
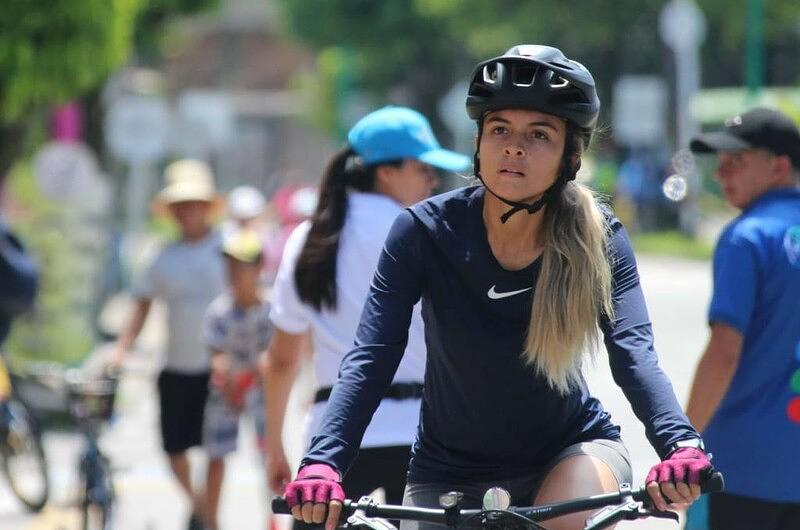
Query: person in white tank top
{"x": 324, "y": 278}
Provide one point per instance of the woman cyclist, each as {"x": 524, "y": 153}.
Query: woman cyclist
{"x": 515, "y": 276}
{"x": 323, "y": 281}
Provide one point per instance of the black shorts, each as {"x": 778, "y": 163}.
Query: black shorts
{"x": 182, "y": 402}
{"x": 375, "y": 467}
{"x": 523, "y": 489}
{"x": 732, "y": 512}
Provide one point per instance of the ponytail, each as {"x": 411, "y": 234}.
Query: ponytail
{"x": 315, "y": 271}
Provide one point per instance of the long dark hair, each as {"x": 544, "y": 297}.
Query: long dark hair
{"x": 315, "y": 271}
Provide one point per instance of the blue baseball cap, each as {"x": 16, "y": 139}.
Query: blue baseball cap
{"x": 397, "y": 133}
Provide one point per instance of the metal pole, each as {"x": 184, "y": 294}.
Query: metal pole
{"x": 137, "y": 193}
{"x": 754, "y": 57}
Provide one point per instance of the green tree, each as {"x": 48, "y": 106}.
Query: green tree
{"x": 51, "y": 51}
{"x": 388, "y": 48}
{"x": 152, "y": 20}
{"x": 614, "y": 37}
{"x": 425, "y": 45}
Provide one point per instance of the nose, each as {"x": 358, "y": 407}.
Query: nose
{"x": 514, "y": 150}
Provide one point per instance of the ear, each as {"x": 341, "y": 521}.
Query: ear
{"x": 574, "y": 166}
{"x": 383, "y": 177}
{"x": 576, "y": 163}
{"x": 782, "y": 168}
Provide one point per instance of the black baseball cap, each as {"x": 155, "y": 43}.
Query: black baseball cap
{"x": 758, "y": 128}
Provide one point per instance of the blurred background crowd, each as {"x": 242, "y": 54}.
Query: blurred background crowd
{"x": 97, "y": 97}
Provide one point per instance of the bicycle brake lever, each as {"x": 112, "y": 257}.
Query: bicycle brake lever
{"x": 359, "y": 520}
{"x": 612, "y": 515}
{"x": 666, "y": 514}
{"x": 628, "y": 511}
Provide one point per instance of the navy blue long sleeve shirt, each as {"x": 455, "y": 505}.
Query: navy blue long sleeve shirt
{"x": 486, "y": 415}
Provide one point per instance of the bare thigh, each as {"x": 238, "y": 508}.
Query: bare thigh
{"x": 575, "y": 476}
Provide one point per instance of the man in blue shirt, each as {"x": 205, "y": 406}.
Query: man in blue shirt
{"x": 746, "y": 394}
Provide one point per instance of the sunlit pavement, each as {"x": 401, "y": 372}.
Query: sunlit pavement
{"x": 677, "y": 292}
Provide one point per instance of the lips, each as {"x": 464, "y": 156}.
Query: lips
{"x": 511, "y": 172}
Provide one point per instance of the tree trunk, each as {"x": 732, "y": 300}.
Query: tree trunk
{"x": 13, "y": 139}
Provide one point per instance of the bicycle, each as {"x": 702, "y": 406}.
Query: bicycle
{"x": 22, "y": 458}
{"x": 496, "y": 514}
{"x": 91, "y": 404}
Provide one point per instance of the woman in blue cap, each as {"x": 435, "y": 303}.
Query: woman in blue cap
{"x": 323, "y": 281}
{"x": 515, "y": 275}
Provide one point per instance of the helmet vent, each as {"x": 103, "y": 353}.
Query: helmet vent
{"x": 559, "y": 64}
{"x": 523, "y": 75}
{"x": 490, "y": 73}
{"x": 568, "y": 95}
{"x": 558, "y": 82}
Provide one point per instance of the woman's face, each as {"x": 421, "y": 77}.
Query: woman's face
{"x": 520, "y": 152}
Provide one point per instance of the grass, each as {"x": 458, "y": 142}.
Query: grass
{"x": 671, "y": 243}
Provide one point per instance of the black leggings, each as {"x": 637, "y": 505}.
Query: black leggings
{"x": 375, "y": 467}
{"x": 732, "y": 512}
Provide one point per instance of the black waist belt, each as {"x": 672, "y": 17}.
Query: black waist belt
{"x": 395, "y": 391}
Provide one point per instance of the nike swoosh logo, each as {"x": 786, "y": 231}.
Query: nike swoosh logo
{"x": 494, "y": 295}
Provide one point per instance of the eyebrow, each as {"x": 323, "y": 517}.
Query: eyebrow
{"x": 540, "y": 123}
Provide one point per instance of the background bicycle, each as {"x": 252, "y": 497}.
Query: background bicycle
{"x": 81, "y": 400}
{"x": 22, "y": 458}
{"x": 91, "y": 404}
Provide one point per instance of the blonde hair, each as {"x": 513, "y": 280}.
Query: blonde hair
{"x": 573, "y": 289}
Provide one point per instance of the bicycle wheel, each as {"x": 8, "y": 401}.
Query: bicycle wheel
{"x": 95, "y": 516}
{"x": 98, "y": 496}
{"x": 24, "y": 463}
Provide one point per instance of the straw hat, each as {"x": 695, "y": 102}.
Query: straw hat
{"x": 187, "y": 180}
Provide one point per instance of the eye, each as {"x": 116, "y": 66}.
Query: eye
{"x": 541, "y": 135}
{"x": 499, "y": 129}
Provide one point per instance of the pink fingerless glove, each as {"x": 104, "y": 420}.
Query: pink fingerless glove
{"x": 314, "y": 483}
{"x": 684, "y": 465}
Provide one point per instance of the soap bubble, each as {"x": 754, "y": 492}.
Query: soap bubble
{"x": 675, "y": 188}
{"x": 683, "y": 162}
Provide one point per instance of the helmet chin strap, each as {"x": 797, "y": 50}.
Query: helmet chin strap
{"x": 549, "y": 194}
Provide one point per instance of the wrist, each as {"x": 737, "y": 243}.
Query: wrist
{"x": 319, "y": 470}
{"x": 274, "y": 449}
{"x": 690, "y": 443}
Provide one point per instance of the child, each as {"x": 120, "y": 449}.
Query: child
{"x": 236, "y": 330}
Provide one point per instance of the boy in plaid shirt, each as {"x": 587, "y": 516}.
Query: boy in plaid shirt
{"x": 237, "y": 330}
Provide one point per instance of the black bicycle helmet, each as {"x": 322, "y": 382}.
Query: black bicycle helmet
{"x": 535, "y": 77}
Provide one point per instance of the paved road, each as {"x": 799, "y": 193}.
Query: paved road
{"x": 677, "y": 292}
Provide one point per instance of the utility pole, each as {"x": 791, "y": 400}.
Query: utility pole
{"x": 754, "y": 56}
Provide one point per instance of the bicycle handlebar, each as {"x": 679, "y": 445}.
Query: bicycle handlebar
{"x": 714, "y": 483}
